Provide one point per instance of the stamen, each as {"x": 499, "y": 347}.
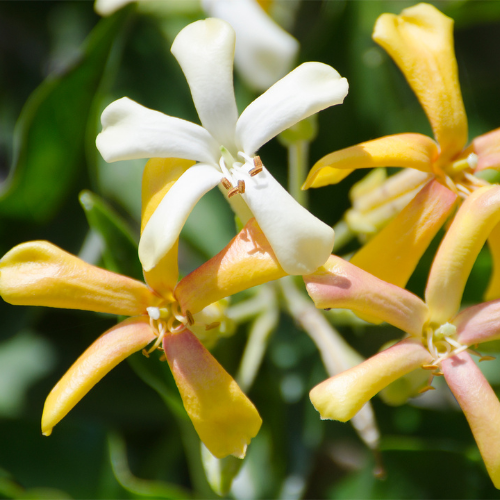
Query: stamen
{"x": 226, "y": 183}
{"x": 487, "y": 358}
{"x": 438, "y": 374}
{"x": 211, "y": 326}
{"x": 426, "y": 388}
{"x": 163, "y": 357}
{"x": 232, "y": 192}
{"x": 472, "y": 161}
{"x": 430, "y": 367}
{"x": 154, "y": 313}
{"x": 258, "y": 166}
{"x": 145, "y": 353}
{"x": 189, "y": 318}
{"x": 241, "y": 187}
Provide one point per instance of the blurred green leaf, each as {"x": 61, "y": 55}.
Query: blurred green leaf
{"x": 121, "y": 470}
{"x": 120, "y": 250}
{"x": 24, "y": 359}
{"x": 50, "y": 133}
{"x": 220, "y": 471}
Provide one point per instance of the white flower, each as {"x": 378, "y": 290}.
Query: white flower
{"x": 225, "y": 146}
{"x": 265, "y": 52}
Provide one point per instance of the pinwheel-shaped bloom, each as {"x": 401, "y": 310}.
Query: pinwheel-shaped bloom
{"x": 225, "y": 147}
{"x": 420, "y": 41}
{"x": 439, "y": 335}
{"x": 260, "y": 60}
{"x": 41, "y": 274}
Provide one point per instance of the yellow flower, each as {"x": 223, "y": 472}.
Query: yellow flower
{"x": 439, "y": 336}
{"x": 39, "y": 273}
{"x": 420, "y": 41}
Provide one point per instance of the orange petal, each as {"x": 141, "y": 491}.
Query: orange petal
{"x": 340, "y": 284}
{"x": 342, "y": 396}
{"x": 479, "y": 323}
{"x": 159, "y": 176}
{"x": 420, "y": 40}
{"x": 38, "y": 273}
{"x": 224, "y": 418}
{"x": 487, "y": 148}
{"x": 473, "y": 223}
{"x": 101, "y": 357}
{"x": 480, "y": 406}
{"x": 493, "y": 291}
{"x": 393, "y": 254}
{"x": 402, "y": 150}
{"x": 248, "y": 260}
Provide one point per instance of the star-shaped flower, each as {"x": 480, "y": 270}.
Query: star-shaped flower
{"x": 420, "y": 41}
{"x": 439, "y": 335}
{"x": 225, "y": 147}
{"x": 38, "y": 273}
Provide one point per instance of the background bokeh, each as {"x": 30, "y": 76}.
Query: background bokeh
{"x": 60, "y": 65}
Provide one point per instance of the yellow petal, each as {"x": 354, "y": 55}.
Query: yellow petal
{"x": 473, "y": 223}
{"x": 38, "y": 273}
{"x": 248, "y": 260}
{"x": 224, "y": 418}
{"x": 159, "y": 176}
{"x": 480, "y": 406}
{"x": 402, "y": 150}
{"x": 487, "y": 148}
{"x": 342, "y": 396}
{"x": 101, "y": 357}
{"x": 340, "y": 284}
{"x": 493, "y": 291}
{"x": 420, "y": 40}
{"x": 393, "y": 254}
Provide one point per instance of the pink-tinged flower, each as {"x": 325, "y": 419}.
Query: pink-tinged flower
{"x": 225, "y": 147}
{"x": 439, "y": 337}
{"x": 162, "y": 311}
{"x": 420, "y": 41}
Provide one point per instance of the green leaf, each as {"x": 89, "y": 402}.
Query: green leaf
{"x": 119, "y": 463}
{"x": 50, "y": 134}
{"x": 120, "y": 252}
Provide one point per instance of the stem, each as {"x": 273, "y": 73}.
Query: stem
{"x": 298, "y": 153}
{"x": 343, "y": 235}
{"x": 336, "y": 354}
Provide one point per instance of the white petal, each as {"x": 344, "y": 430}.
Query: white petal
{"x": 300, "y": 241}
{"x": 108, "y": 7}
{"x": 131, "y": 131}
{"x": 306, "y": 90}
{"x": 164, "y": 226}
{"x": 263, "y": 59}
{"x": 205, "y": 51}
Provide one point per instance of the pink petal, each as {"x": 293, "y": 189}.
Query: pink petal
{"x": 340, "y": 284}
{"x": 480, "y": 406}
{"x": 487, "y": 148}
{"x": 480, "y": 323}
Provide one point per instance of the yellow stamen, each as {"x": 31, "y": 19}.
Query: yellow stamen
{"x": 189, "y": 318}
{"x": 430, "y": 367}
{"x": 211, "y": 326}
{"x": 426, "y": 388}
{"x": 232, "y": 192}
{"x": 487, "y": 358}
{"x": 226, "y": 183}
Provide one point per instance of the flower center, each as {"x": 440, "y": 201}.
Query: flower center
{"x": 458, "y": 176}
{"x": 442, "y": 344}
{"x": 169, "y": 320}
{"x": 228, "y": 165}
